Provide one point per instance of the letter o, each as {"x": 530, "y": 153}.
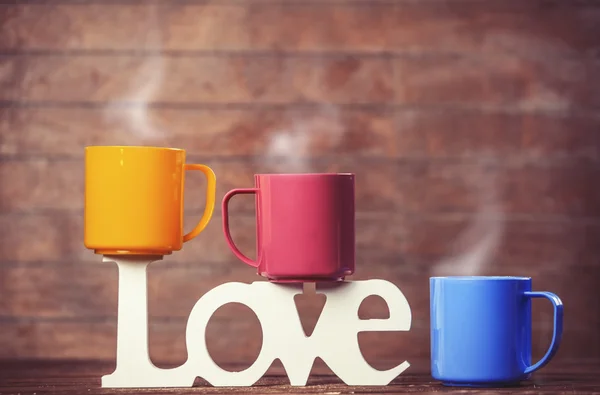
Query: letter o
{"x": 199, "y": 359}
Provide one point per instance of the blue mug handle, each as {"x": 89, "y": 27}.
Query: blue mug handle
{"x": 558, "y": 325}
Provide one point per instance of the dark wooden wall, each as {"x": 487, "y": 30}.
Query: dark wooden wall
{"x": 473, "y": 128}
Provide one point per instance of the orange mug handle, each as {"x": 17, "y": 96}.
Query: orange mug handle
{"x": 211, "y": 190}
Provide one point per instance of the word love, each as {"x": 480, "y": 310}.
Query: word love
{"x": 334, "y": 338}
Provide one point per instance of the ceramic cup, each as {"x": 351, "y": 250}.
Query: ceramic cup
{"x": 304, "y": 226}
{"x": 134, "y": 200}
{"x": 481, "y": 330}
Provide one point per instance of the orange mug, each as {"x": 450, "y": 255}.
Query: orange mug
{"x": 134, "y": 200}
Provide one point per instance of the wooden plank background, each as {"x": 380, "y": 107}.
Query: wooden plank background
{"x": 473, "y": 128}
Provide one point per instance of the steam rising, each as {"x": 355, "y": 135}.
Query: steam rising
{"x": 290, "y": 146}
{"x": 307, "y": 132}
{"x": 142, "y": 90}
{"x": 477, "y": 245}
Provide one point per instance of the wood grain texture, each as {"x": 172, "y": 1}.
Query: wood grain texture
{"x": 173, "y": 289}
{"x": 89, "y": 292}
{"x": 478, "y": 135}
{"x": 196, "y": 79}
{"x": 326, "y": 130}
{"x": 42, "y": 184}
{"x": 234, "y": 335}
{"x": 234, "y": 339}
{"x": 464, "y": 26}
{"x": 418, "y": 241}
{"x": 492, "y": 189}
{"x": 484, "y": 239}
{"x": 58, "y": 238}
{"x": 423, "y": 187}
{"x": 514, "y": 83}
{"x": 443, "y": 80}
{"x": 228, "y": 341}
{"x": 305, "y": 132}
{"x": 472, "y": 128}
{"x": 569, "y": 376}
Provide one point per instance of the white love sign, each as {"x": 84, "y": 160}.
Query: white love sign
{"x": 334, "y": 338}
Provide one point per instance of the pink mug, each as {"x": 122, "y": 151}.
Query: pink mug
{"x": 304, "y": 226}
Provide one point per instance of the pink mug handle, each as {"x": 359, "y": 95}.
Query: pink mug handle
{"x": 225, "y": 210}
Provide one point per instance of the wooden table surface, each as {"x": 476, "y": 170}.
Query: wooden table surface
{"x": 83, "y": 377}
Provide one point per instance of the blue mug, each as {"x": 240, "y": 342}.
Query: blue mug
{"x": 481, "y": 330}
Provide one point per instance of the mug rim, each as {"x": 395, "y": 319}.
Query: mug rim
{"x": 151, "y": 147}
{"x": 303, "y": 174}
{"x": 481, "y": 278}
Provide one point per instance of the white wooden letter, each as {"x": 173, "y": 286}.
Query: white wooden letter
{"x": 134, "y": 368}
{"x": 334, "y": 338}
